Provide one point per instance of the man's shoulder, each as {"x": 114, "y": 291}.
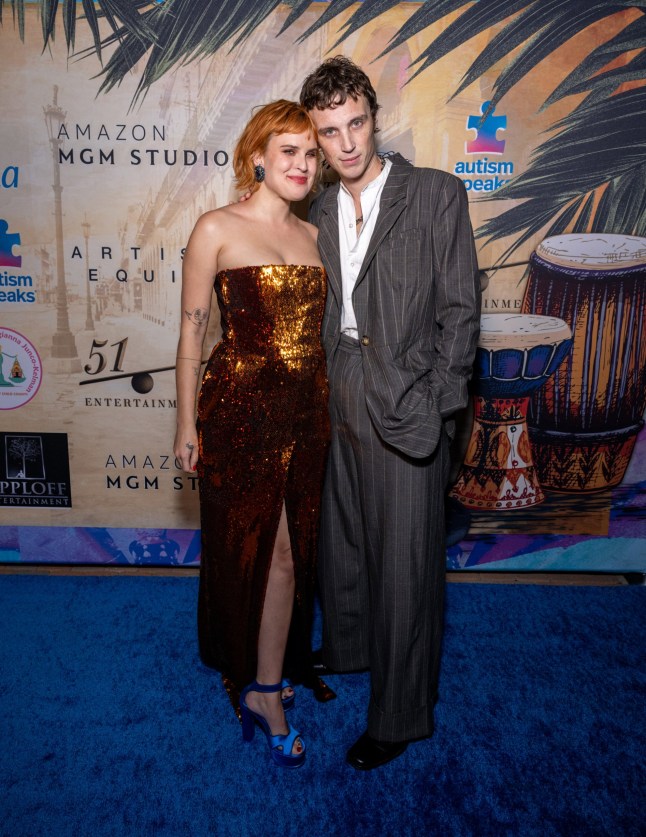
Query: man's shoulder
{"x": 427, "y": 176}
{"x": 324, "y": 194}
{"x": 435, "y": 183}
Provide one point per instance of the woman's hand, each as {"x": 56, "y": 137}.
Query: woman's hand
{"x": 185, "y": 448}
{"x": 242, "y": 198}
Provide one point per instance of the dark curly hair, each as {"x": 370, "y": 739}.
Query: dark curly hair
{"x": 333, "y": 81}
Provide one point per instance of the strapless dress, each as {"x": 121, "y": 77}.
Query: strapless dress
{"x": 263, "y": 432}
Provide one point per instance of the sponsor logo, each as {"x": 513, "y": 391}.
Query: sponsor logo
{"x": 109, "y": 358}
{"x": 34, "y": 470}
{"x": 136, "y": 136}
{"x": 484, "y": 175}
{"x": 19, "y": 284}
{"x": 20, "y": 369}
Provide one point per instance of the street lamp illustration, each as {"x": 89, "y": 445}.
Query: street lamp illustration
{"x": 89, "y": 322}
{"x": 63, "y": 345}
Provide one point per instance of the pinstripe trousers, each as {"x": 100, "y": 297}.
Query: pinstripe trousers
{"x": 382, "y": 560}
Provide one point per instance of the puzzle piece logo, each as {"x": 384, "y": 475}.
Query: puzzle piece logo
{"x": 7, "y": 242}
{"x": 485, "y": 141}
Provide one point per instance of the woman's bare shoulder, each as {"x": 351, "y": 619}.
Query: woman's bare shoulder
{"x": 213, "y": 219}
{"x": 216, "y": 224}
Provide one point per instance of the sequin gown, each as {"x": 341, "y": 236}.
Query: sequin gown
{"x": 263, "y": 432}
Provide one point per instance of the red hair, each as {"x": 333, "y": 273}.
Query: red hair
{"x": 280, "y": 117}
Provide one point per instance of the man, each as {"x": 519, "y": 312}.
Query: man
{"x": 400, "y": 331}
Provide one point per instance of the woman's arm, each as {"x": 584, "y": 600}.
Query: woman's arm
{"x": 199, "y": 268}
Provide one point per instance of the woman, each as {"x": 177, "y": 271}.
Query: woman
{"x": 261, "y": 436}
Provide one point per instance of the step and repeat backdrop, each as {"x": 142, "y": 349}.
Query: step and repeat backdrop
{"x": 114, "y": 140}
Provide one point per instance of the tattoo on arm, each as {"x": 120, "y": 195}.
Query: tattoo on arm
{"x": 199, "y": 316}
{"x": 196, "y": 368}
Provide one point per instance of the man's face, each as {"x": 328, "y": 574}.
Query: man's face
{"x": 346, "y": 134}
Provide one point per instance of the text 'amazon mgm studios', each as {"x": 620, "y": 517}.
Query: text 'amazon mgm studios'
{"x": 97, "y": 155}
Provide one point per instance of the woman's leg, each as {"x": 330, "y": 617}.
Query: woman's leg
{"x": 274, "y": 628}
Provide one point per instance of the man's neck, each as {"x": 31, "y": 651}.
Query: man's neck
{"x": 355, "y": 187}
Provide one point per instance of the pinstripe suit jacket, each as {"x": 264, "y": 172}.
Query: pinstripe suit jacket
{"x": 416, "y": 300}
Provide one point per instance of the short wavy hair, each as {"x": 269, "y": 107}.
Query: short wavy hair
{"x": 333, "y": 81}
{"x": 280, "y": 117}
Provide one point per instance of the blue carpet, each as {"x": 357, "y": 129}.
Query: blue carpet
{"x": 110, "y": 725}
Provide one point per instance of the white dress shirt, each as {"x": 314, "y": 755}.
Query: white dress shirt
{"x": 353, "y": 247}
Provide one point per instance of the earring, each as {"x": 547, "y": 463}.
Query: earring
{"x": 259, "y": 173}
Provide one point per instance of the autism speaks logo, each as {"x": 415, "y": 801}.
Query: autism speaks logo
{"x": 483, "y": 174}
{"x": 16, "y": 282}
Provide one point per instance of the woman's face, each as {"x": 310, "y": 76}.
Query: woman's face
{"x": 290, "y": 162}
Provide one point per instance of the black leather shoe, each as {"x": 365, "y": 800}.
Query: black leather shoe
{"x": 367, "y": 753}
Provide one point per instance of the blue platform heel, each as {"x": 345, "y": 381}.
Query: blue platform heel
{"x": 288, "y": 702}
{"x": 280, "y": 745}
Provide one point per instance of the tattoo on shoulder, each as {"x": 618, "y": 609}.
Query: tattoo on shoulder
{"x": 199, "y": 316}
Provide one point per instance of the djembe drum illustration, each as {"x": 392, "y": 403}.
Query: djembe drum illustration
{"x": 517, "y": 354}
{"x": 583, "y": 424}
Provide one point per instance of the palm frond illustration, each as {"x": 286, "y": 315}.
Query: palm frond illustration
{"x": 577, "y": 179}
{"x": 116, "y": 12}
{"x": 585, "y": 76}
{"x": 180, "y": 31}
